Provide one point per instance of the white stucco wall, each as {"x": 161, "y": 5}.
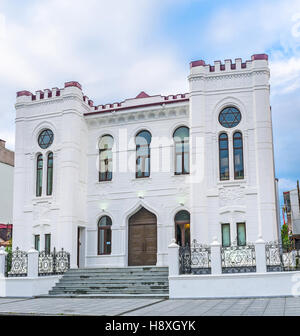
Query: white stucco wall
{"x": 235, "y": 285}
{"x": 6, "y": 193}
{"x": 79, "y": 200}
{"x": 295, "y": 212}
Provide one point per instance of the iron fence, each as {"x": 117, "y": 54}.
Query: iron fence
{"x": 16, "y": 264}
{"x": 281, "y": 258}
{"x": 195, "y": 259}
{"x": 238, "y": 259}
{"x": 51, "y": 263}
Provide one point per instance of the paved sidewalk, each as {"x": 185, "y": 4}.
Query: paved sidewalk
{"x": 151, "y": 307}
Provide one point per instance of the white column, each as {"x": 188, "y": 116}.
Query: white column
{"x": 33, "y": 263}
{"x": 216, "y": 265}
{"x": 260, "y": 252}
{"x": 3, "y": 255}
{"x": 173, "y": 258}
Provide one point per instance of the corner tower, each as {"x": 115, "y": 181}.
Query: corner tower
{"x": 232, "y": 151}
{"x": 50, "y": 169}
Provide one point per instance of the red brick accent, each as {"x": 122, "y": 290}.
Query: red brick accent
{"x": 76, "y": 84}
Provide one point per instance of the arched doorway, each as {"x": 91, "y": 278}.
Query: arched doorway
{"x": 142, "y": 239}
{"x": 182, "y": 228}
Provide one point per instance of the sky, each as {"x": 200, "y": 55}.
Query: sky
{"x": 118, "y": 48}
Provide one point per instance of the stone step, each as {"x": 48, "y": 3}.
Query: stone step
{"x": 82, "y": 291}
{"x": 114, "y": 275}
{"x": 119, "y": 285}
{"x": 105, "y": 281}
{"x": 118, "y": 270}
{"x": 115, "y": 278}
{"x": 106, "y": 296}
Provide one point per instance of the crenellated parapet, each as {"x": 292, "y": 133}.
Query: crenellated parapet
{"x": 25, "y": 96}
{"x": 228, "y": 66}
{"x": 140, "y": 101}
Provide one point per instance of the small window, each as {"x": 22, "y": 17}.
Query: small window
{"x": 238, "y": 156}
{"x": 39, "y": 175}
{"x": 223, "y": 157}
{"x": 182, "y": 228}
{"x": 143, "y": 140}
{"x": 226, "y": 235}
{"x": 37, "y": 242}
{"x": 105, "y": 158}
{"x": 49, "y": 174}
{"x": 230, "y": 117}
{"x": 48, "y": 243}
{"x": 241, "y": 234}
{"x": 182, "y": 150}
{"x": 104, "y": 235}
{"x": 45, "y": 139}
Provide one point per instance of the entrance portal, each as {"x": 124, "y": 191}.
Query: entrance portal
{"x": 142, "y": 239}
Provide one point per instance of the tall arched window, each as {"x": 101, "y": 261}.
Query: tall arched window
{"x": 238, "y": 155}
{"x": 105, "y": 158}
{"x": 49, "y": 174}
{"x": 143, "y": 140}
{"x": 181, "y": 140}
{"x": 104, "y": 235}
{"x": 182, "y": 228}
{"x": 223, "y": 156}
{"x": 39, "y": 175}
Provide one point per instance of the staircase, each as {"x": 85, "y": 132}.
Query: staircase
{"x": 130, "y": 281}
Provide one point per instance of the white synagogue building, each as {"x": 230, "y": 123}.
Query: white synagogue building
{"x": 114, "y": 184}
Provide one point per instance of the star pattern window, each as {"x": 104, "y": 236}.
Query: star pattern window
{"x": 45, "y": 139}
{"x": 230, "y": 117}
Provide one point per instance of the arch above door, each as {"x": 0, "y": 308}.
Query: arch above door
{"x": 142, "y": 238}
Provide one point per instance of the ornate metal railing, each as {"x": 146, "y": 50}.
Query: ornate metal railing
{"x": 46, "y": 263}
{"x": 16, "y": 263}
{"x": 279, "y": 258}
{"x": 238, "y": 259}
{"x": 61, "y": 261}
{"x": 51, "y": 263}
{"x": 195, "y": 259}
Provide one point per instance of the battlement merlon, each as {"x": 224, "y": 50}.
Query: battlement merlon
{"x": 257, "y": 62}
{"x": 70, "y": 88}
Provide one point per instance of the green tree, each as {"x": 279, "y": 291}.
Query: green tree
{"x": 285, "y": 236}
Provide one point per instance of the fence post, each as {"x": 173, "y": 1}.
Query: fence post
{"x": 33, "y": 263}
{"x": 173, "y": 258}
{"x": 260, "y": 255}
{"x": 3, "y": 255}
{"x": 216, "y": 264}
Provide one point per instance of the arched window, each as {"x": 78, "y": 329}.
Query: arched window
{"x": 238, "y": 155}
{"x": 49, "y": 174}
{"x": 39, "y": 175}
{"x": 223, "y": 157}
{"x": 143, "y": 140}
{"x": 104, "y": 235}
{"x": 105, "y": 158}
{"x": 182, "y": 228}
{"x": 181, "y": 140}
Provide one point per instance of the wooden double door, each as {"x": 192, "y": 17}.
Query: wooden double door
{"x": 142, "y": 239}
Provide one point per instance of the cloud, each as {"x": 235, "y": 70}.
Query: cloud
{"x": 285, "y": 75}
{"x": 286, "y": 185}
{"x": 111, "y": 47}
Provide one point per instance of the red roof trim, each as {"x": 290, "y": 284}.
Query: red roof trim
{"x": 142, "y": 94}
{"x": 137, "y": 106}
{"x": 4, "y": 226}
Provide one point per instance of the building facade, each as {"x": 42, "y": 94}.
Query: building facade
{"x": 6, "y": 193}
{"x": 292, "y": 210}
{"x": 114, "y": 184}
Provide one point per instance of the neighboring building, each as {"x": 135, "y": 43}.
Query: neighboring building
{"x": 292, "y": 209}
{"x": 6, "y": 192}
{"x": 114, "y": 184}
